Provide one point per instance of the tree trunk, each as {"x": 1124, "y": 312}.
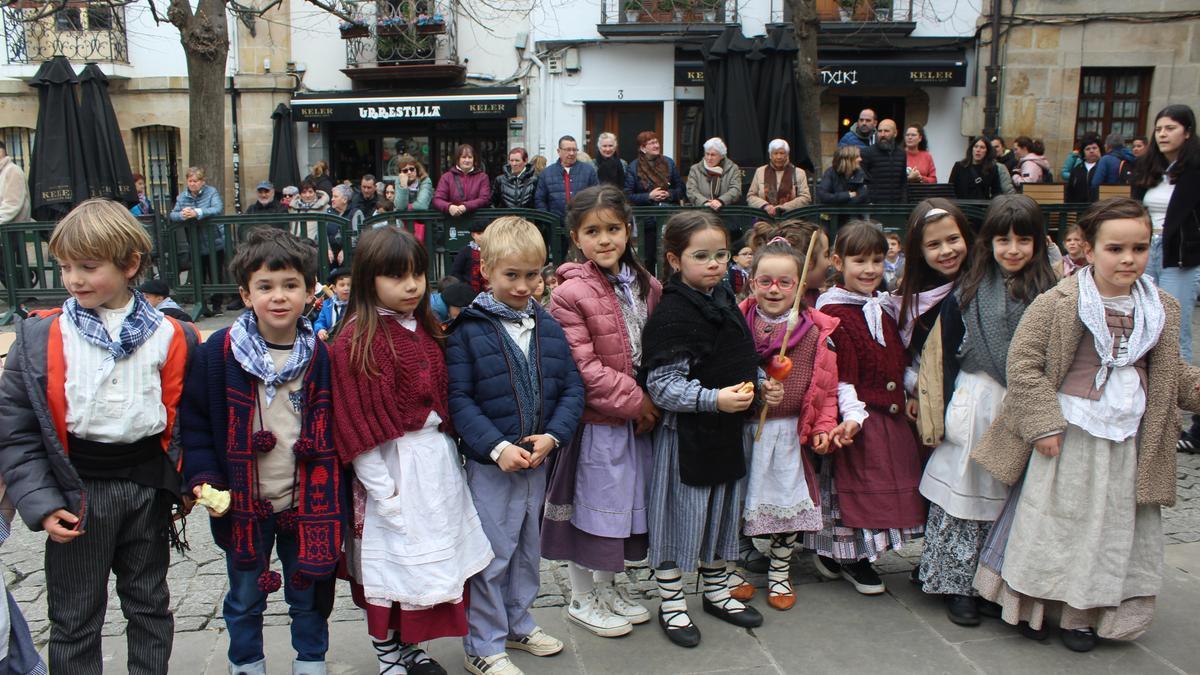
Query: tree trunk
{"x": 205, "y": 39}
{"x": 808, "y": 76}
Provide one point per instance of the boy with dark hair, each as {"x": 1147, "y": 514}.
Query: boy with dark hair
{"x": 257, "y": 422}
{"x": 158, "y": 293}
{"x": 334, "y": 308}
{"x": 88, "y": 407}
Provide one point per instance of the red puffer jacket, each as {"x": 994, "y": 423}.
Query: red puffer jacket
{"x": 586, "y": 306}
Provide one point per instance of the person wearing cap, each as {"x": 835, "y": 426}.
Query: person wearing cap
{"x": 158, "y": 294}
{"x": 334, "y": 308}
{"x": 266, "y": 200}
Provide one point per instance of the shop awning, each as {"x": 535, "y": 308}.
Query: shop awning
{"x": 928, "y": 69}
{"x": 449, "y": 104}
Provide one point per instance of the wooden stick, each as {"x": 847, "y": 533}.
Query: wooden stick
{"x": 793, "y": 319}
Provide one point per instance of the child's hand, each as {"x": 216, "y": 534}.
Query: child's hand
{"x": 513, "y": 458}
{"x": 197, "y": 492}
{"x": 647, "y": 416}
{"x": 60, "y": 525}
{"x": 1049, "y": 446}
{"x": 820, "y": 443}
{"x": 733, "y": 399}
{"x": 323, "y": 334}
{"x": 772, "y": 391}
{"x": 542, "y": 445}
{"x": 911, "y": 409}
{"x": 843, "y": 434}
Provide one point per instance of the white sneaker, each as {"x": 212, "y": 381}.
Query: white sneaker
{"x": 592, "y": 613}
{"x": 538, "y": 643}
{"x": 497, "y": 664}
{"x": 617, "y": 599}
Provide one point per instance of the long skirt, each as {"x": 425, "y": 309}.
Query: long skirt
{"x": 778, "y": 499}
{"x": 951, "y": 555}
{"x": 689, "y": 524}
{"x": 850, "y": 544}
{"x": 1073, "y": 535}
{"x": 595, "y": 512}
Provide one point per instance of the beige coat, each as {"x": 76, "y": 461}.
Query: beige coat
{"x": 1038, "y": 358}
{"x": 757, "y": 196}
{"x": 14, "y": 193}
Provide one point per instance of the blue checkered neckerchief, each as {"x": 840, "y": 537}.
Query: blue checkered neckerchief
{"x": 138, "y": 326}
{"x": 250, "y": 351}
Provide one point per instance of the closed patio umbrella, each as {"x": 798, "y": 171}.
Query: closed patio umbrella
{"x": 284, "y": 169}
{"x": 57, "y": 176}
{"x": 104, "y": 155}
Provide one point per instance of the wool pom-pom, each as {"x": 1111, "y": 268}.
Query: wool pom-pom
{"x": 270, "y": 581}
{"x": 300, "y": 582}
{"x": 263, "y": 509}
{"x": 262, "y": 441}
{"x": 304, "y": 448}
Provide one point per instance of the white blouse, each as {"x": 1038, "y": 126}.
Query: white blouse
{"x": 1117, "y": 414}
{"x": 1156, "y": 201}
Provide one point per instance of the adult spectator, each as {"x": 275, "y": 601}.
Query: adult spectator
{"x": 977, "y": 175}
{"x": 1079, "y": 183}
{"x": 1003, "y": 155}
{"x": 516, "y": 186}
{"x": 844, "y": 182}
{"x": 319, "y": 176}
{"x": 14, "y": 190}
{"x": 1167, "y": 181}
{"x": 1139, "y": 147}
{"x": 201, "y": 203}
{"x": 1116, "y": 166}
{"x": 415, "y": 189}
{"x": 465, "y": 188}
{"x": 610, "y": 168}
{"x": 560, "y": 180}
{"x": 778, "y": 185}
{"x": 1032, "y": 167}
{"x": 1071, "y": 161}
{"x": 341, "y": 203}
{"x": 715, "y": 180}
{"x": 389, "y": 190}
{"x": 539, "y": 163}
{"x": 266, "y": 202}
{"x": 309, "y": 200}
{"x": 367, "y": 197}
{"x": 886, "y": 166}
{"x": 863, "y": 133}
{"x": 652, "y": 178}
{"x": 916, "y": 151}
{"x": 143, "y": 207}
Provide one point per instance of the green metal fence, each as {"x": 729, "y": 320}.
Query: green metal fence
{"x": 192, "y": 256}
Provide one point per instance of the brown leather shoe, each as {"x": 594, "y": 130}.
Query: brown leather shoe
{"x": 743, "y": 592}
{"x": 782, "y": 602}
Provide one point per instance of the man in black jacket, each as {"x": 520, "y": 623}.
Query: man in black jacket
{"x": 886, "y": 166}
{"x": 266, "y": 200}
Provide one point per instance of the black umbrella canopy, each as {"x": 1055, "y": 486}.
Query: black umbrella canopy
{"x": 729, "y": 101}
{"x": 104, "y": 155}
{"x": 284, "y": 169}
{"x": 57, "y": 176}
{"x": 782, "y": 118}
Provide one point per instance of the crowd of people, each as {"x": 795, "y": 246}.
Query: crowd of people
{"x": 1014, "y": 407}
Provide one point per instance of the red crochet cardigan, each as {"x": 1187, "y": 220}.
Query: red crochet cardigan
{"x": 863, "y": 362}
{"x": 412, "y": 381}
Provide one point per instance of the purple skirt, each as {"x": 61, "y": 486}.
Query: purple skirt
{"x": 595, "y": 514}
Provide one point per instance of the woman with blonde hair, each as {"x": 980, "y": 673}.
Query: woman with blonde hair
{"x": 414, "y": 190}
{"x": 320, "y": 177}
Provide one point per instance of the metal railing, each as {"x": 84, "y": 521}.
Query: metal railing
{"x": 668, "y": 11}
{"x": 82, "y": 32}
{"x": 192, "y": 257}
{"x": 398, "y": 32}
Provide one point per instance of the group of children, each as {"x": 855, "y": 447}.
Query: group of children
{"x": 629, "y": 419}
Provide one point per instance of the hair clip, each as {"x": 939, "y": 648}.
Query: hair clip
{"x": 935, "y": 212}
{"x": 778, "y": 240}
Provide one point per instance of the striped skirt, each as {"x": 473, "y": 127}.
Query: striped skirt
{"x": 848, "y": 544}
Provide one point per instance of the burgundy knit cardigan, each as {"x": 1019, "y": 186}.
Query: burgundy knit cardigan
{"x": 412, "y": 381}
{"x": 866, "y": 364}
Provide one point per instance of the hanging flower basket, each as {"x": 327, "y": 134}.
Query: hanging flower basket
{"x": 386, "y": 29}
{"x": 431, "y": 28}
{"x": 354, "y": 30}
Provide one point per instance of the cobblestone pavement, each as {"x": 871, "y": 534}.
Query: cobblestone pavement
{"x": 197, "y": 578}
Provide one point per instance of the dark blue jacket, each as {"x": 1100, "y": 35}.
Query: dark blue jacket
{"x": 1108, "y": 169}
{"x": 483, "y": 398}
{"x": 551, "y": 193}
{"x": 638, "y": 191}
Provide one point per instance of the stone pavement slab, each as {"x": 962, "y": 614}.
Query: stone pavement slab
{"x": 831, "y": 629}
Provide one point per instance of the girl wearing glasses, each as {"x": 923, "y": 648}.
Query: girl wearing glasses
{"x": 781, "y": 491}
{"x": 702, "y": 371}
{"x": 869, "y": 497}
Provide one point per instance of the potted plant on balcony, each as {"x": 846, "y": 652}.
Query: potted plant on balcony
{"x": 354, "y": 29}
{"x": 391, "y": 26}
{"x": 431, "y": 24}
{"x": 633, "y": 10}
{"x": 709, "y": 9}
{"x": 846, "y": 9}
{"x": 883, "y": 10}
{"x": 675, "y": 7}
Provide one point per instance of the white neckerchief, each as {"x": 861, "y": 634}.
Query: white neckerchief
{"x": 1148, "y": 320}
{"x": 923, "y": 302}
{"x": 873, "y": 307}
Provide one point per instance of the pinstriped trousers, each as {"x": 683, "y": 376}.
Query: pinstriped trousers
{"x": 125, "y": 532}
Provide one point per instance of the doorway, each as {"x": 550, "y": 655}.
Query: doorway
{"x": 626, "y": 120}
{"x": 885, "y": 107}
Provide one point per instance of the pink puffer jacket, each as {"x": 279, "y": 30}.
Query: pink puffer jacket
{"x": 586, "y": 306}
{"x": 821, "y": 402}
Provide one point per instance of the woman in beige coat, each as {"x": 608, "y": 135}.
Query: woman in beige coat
{"x": 1083, "y": 529}
{"x": 779, "y": 185}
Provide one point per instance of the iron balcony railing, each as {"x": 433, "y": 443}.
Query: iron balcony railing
{"x": 668, "y": 11}
{"x": 401, "y": 32}
{"x": 80, "y": 31}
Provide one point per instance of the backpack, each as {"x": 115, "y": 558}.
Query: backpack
{"x": 1047, "y": 172}
{"x": 1125, "y": 172}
